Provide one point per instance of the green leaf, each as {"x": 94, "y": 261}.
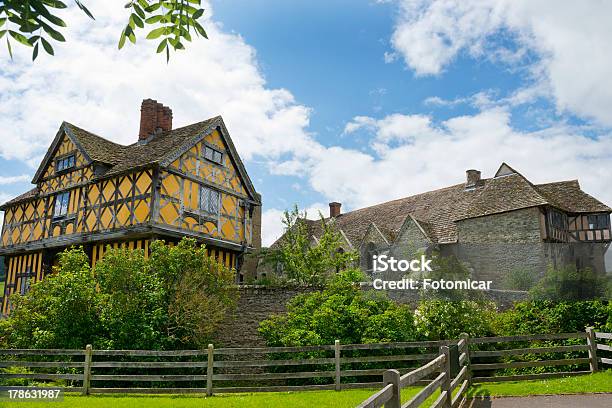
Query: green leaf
{"x": 55, "y": 4}
{"x": 48, "y": 48}
{"x": 20, "y": 38}
{"x": 139, "y": 11}
{"x": 56, "y": 35}
{"x": 2, "y": 32}
{"x": 35, "y": 52}
{"x": 156, "y": 33}
{"x": 2, "y": 21}
{"x": 198, "y": 14}
{"x": 162, "y": 45}
{"x": 153, "y": 19}
{"x": 122, "y": 39}
{"x": 10, "y": 49}
{"x": 56, "y": 20}
{"x": 138, "y": 21}
{"x": 200, "y": 29}
{"x": 152, "y": 7}
{"x": 85, "y": 9}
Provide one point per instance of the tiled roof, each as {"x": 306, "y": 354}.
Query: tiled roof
{"x": 121, "y": 158}
{"x": 438, "y": 211}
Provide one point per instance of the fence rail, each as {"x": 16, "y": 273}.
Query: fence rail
{"x": 444, "y": 367}
{"x": 453, "y": 391}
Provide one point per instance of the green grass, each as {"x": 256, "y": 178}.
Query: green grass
{"x": 599, "y": 382}
{"x": 307, "y": 399}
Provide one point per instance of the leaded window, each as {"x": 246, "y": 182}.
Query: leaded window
{"x": 213, "y": 155}
{"x": 209, "y": 200}
{"x": 61, "y": 204}
{"x": 65, "y": 163}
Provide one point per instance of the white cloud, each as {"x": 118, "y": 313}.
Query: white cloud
{"x": 92, "y": 84}
{"x": 570, "y": 38}
{"x": 425, "y": 155}
{"x": 272, "y": 221}
{"x": 14, "y": 179}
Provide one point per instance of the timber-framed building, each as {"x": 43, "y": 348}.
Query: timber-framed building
{"x": 169, "y": 184}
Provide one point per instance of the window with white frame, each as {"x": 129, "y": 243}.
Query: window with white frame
{"x": 65, "y": 163}
{"x": 61, "y": 204}
{"x": 213, "y": 155}
{"x": 209, "y": 200}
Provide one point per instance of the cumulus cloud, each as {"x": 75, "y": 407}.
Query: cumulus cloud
{"x": 570, "y": 41}
{"x": 92, "y": 84}
{"x": 14, "y": 179}
{"x": 420, "y": 154}
{"x": 272, "y": 221}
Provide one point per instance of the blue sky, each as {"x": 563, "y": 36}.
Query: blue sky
{"x": 354, "y": 101}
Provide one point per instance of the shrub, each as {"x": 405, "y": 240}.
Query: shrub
{"x": 440, "y": 319}
{"x": 342, "y": 311}
{"x": 173, "y": 299}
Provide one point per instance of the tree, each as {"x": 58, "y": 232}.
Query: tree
{"x": 62, "y": 311}
{"x": 304, "y": 260}
{"x": 35, "y": 24}
{"x": 175, "y": 298}
{"x": 568, "y": 283}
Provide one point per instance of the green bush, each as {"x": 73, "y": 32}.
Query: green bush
{"x": 441, "y": 319}
{"x": 173, "y": 299}
{"x": 342, "y": 311}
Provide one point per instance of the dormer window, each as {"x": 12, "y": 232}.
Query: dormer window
{"x": 64, "y": 163}
{"x": 213, "y": 155}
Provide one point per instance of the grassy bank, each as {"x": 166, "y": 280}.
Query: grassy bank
{"x": 599, "y": 382}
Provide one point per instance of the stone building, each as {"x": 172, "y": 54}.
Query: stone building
{"x": 493, "y": 225}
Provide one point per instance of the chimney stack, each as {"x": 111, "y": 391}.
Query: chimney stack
{"x": 334, "y": 209}
{"x": 473, "y": 178}
{"x": 154, "y": 117}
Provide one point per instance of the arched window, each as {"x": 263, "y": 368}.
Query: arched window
{"x": 369, "y": 252}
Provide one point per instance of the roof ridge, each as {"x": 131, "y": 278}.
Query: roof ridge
{"x": 94, "y": 134}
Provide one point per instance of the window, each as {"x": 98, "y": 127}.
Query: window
{"x": 559, "y": 220}
{"x": 599, "y": 221}
{"x": 209, "y": 200}
{"x": 61, "y": 204}
{"x": 64, "y": 163}
{"x": 213, "y": 155}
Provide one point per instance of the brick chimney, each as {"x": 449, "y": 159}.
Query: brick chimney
{"x": 334, "y": 209}
{"x": 154, "y": 117}
{"x": 472, "y": 178}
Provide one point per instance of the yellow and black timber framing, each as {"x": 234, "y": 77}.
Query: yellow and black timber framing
{"x": 93, "y": 193}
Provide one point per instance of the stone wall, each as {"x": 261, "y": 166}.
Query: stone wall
{"x": 496, "y": 245}
{"x": 257, "y": 303}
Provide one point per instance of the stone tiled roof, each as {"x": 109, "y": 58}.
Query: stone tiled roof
{"x": 568, "y": 195}
{"x": 154, "y": 151}
{"x": 438, "y": 211}
{"x": 97, "y": 148}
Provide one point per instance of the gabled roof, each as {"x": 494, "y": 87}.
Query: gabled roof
{"x": 438, "y": 212}
{"x": 162, "y": 149}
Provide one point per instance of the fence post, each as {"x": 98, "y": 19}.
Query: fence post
{"x": 592, "y": 343}
{"x": 465, "y": 336}
{"x": 87, "y": 370}
{"x": 393, "y": 377}
{"x": 209, "y": 370}
{"x": 337, "y": 361}
{"x": 445, "y": 386}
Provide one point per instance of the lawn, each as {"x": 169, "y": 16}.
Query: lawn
{"x": 308, "y": 399}
{"x": 599, "y": 382}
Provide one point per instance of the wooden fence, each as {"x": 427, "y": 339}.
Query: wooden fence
{"x": 475, "y": 355}
{"x": 217, "y": 370}
{"x": 445, "y": 366}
